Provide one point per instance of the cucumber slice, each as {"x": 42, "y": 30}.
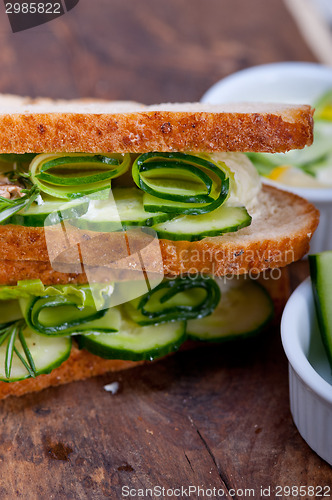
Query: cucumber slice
{"x": 9, "y": 311}
{"x": 195, "y": 227}
{"x": 321, "y": 278}
{"x": 50, "y": 212}
{"x": 135, "y": 342}
{"x": 244, "y": 309}
{"x": 128, "y": 210}
{"x": 47, "y": 353}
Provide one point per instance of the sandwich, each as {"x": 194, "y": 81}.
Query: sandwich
{"x": 122, "y": 224}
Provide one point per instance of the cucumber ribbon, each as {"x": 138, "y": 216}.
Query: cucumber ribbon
{"x": 180, "y": 183}
{"x": 70, "y": 315}
{"x": 74, "y": 175}
{"x": 176, "y": 299}
{"x": 66, "y": 311}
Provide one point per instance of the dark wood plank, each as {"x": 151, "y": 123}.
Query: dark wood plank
{"x": 217, "y": 417}
{"x": 150, "y": 52}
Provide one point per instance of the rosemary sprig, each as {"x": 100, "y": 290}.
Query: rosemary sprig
{"x": 29, "y": 369}
{"x": 9, "y": 207}
{"x": 3, "y": 335}
{"x": 12, "y": 332}
{"x": 10, "y": 350}
{"x": 27, "y": 353}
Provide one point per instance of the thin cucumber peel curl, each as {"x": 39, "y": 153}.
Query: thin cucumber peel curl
{"x": 76, "y": 175}
{"x": 180, "y": 183}
{"x": 176, "y": 299}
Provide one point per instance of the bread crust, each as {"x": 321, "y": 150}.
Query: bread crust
{"x": 253, "y": 249}
{"x": 79, "y": 366}
{"x": 54, "y": 127}
{"x": 279, "y": 234}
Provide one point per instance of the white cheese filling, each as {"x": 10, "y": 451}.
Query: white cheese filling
{"x": 245, "y": 183}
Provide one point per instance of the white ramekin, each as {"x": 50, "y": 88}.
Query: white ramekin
{"x": 289, "y": 82}
{"x": 310, "y": 375}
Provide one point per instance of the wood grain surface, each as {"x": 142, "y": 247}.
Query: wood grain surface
{"x": 147, "y": 50}
{"x": 216, "y": 417}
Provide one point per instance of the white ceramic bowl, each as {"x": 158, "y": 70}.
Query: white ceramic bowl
{"x": 289, "y": 82}
{"x": 310, "y": 375}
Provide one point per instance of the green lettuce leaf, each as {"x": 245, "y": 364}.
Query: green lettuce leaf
{"x": 83, "y": 295}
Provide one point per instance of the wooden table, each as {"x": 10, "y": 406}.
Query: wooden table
{"x": 215, "y": 417}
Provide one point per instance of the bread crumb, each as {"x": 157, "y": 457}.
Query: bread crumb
{"x": 112, "y": 388}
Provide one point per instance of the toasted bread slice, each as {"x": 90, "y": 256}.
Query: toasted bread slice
{"x": 280, "y": 232}
{"x": 92, "y": 126}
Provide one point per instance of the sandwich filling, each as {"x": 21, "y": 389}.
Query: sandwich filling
{"x": 179, "y": 196}
{"x": 39, "y": 323}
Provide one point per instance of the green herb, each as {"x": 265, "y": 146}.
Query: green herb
{"x": 10, "y": 349}
{"x": 21, "y": 176}
{"x": 13, "y": 333}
